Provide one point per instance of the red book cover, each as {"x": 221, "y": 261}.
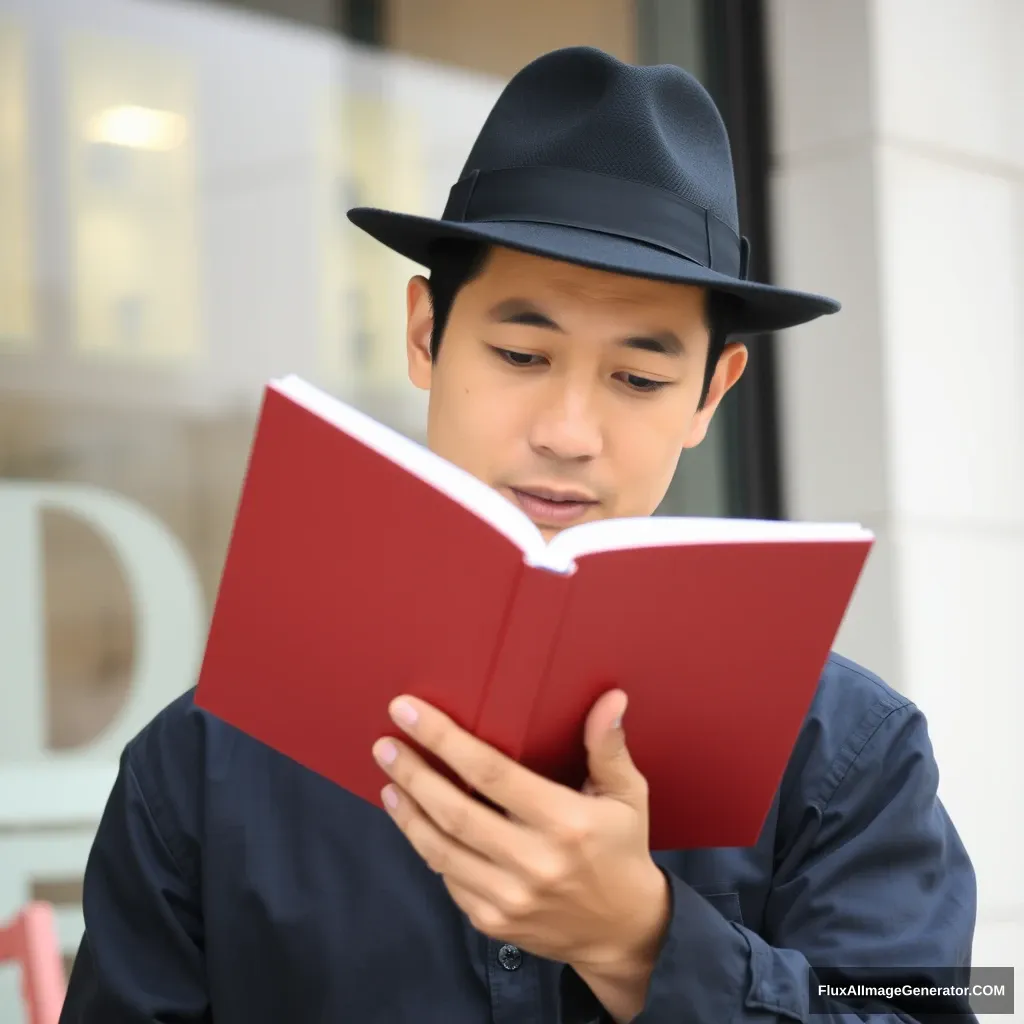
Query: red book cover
{"x": 362, "y": 566}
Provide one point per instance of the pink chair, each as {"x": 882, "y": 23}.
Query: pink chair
{"x": 31, "y": 940}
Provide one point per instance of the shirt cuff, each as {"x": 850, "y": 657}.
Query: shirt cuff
{"x": 703, "y": 969}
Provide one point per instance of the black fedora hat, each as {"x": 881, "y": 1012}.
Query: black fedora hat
{"x": 593, "y": 161}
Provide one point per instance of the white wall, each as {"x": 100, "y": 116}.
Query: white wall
{"x": 899, "y": 187}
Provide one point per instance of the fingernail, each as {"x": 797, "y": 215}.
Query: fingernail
{"x": 404, "y": 713}
{"x": 390, "y": 797}
{"x": 385, "y": 752}
{"x": 617, "y": 724}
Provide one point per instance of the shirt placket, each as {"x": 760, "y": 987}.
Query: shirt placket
{"x": 513, "y": 978}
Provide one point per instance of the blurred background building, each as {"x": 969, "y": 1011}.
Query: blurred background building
{"x": 174, "y": 176}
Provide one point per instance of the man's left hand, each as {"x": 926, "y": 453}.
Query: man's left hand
{"x": 566, "y": 875}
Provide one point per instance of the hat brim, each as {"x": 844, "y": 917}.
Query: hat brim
{"x": 758, "y": 308}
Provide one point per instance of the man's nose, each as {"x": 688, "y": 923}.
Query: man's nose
{"x": 567, "y": 423}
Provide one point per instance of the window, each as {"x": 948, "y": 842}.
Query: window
{"x": 182, "y": 195}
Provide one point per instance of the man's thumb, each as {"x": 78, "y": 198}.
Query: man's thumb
{"x": 612, "y": 771}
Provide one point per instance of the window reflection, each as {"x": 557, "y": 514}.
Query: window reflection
{"x": 383, "y": 161}
{"x": 195, "y": 242}
{"x": 374, "y": 158}
{"x": 17, "y": 326}
{"x": 396, "y": 136}
{"x": 131, "y": 176}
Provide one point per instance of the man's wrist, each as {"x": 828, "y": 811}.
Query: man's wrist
{"x": 620, "y": 978}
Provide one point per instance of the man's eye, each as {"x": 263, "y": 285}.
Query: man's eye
{"x": 644, "y": 383}
{"x": 517, "y": 358}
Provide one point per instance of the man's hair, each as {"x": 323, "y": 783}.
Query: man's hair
{"x": 455, "y": 262}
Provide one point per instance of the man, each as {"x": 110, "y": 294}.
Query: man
{"x": 584, "y": 281}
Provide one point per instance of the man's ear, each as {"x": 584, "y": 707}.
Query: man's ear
{"x": 418, "y": 330}
{"x": 731, "y": 364}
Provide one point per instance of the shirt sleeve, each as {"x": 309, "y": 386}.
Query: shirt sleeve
{"x": 140, "y": 959}
{"x": 875, "y": 876}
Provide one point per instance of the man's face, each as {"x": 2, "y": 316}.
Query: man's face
{"x": 570, "y": 391}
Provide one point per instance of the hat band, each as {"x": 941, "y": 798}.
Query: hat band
{"x": 599, "y": 202}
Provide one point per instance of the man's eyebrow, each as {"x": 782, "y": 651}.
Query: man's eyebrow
{"x": 664, "y": 342}
{"x": 522, "y": 311}
{"x": 527, "y": 314}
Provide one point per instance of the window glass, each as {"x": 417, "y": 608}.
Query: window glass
{"x": 173, "y": 185}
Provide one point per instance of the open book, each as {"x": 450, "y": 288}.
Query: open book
{"x": 362, "y": 566}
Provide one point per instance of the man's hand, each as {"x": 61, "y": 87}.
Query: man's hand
{"x": 567, "y": 876}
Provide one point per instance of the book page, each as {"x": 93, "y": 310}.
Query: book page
{"x": 657, "y": 531}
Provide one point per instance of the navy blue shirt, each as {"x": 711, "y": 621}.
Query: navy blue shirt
{"x": 228, "y": 884}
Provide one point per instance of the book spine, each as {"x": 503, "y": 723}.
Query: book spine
{"x": 524, "y": 651}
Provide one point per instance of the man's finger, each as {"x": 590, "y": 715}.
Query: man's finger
{"x": 611, "y": 768}
{"x": 529, "y": 797}
{"x": 457, "y": 814}
{"x": 454, "y": 862}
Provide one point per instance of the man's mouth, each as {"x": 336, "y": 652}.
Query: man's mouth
{"x": 553, "y": 507}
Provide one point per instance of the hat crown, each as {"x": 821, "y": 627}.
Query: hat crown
{"x": 582, "y": 109}
{"x": 626, "y": 169}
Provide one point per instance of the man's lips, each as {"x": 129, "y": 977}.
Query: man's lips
{"x": 571, "y": 495}
{"x": 550, "y": 506}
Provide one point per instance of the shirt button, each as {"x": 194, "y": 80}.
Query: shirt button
{"x": 510, "y": 957}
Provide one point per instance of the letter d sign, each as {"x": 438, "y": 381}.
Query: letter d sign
{"x": 166, "y": 600}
